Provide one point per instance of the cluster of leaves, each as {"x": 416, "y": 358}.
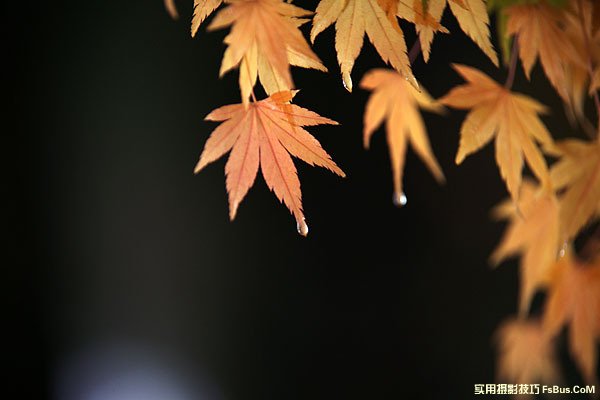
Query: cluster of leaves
{"x": 265, "y": 41}
{"x": 546, "y": 212}
{"x": 547, "y": 215}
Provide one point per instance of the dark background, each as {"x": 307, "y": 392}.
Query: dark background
{"x": 127, "y": 280}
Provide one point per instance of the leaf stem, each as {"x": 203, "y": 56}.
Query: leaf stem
{"x": 512, "y": 69}
{"x": 414, "y": 51}
{"x": 251, "y": 83}
{"x": 590, "y": 66}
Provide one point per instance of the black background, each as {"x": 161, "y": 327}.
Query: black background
{"x": 118, "y": 252}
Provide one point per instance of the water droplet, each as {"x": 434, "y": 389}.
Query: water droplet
{"x": 563, "y": 250}
{"x": 347, "y": 81}
{"x": 399, "y": 199}
{"x": 413, "y": 82}
{"x": 302, "y": 227}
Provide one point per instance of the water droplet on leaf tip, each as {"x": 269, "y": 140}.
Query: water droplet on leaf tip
{"x": 302, "y": 228}
{"x": 347, "y": 82}
{"x": 563, "y": 250}
{"x": 399, "y": 199}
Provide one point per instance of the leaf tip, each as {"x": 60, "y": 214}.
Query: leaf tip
{"x": 440, "y": 177}
{"x": 171, "y": 9}
{"x": 199, "y": 166}
{"x": 233, "y": 210}
{"x": 494, "y": 260}
{"x": 460, "y": 157}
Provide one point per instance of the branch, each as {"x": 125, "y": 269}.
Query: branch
{"x": 514, "y": 55}
{"x": 414, "y": 51}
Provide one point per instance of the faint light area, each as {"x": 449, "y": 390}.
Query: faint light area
{"x": 128, "y": 373}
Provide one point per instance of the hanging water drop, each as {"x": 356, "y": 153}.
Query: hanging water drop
{"x": 563, "y": 250}
{"x": 302, "y": 227}
{"x": 399, "y": 199}
{"x": 347, "y": 81}
{"x": 413, "y": 82}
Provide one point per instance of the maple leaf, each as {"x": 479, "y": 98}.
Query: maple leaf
{"x": 171, "y": 9}
{"x": 471, "y": 15}
{"x": 354, "y": 18}
{"x": 202, "y": 10}
{"x": 533, "y": 231}
{"x": 578, "y": 172}
{"x": 574, "y": 300}
{"x": 525, "y": 353}
{"x": 398, "y": 101}
{"x": 262, "y": 134}
{"x": 264, "y": 41}
{"x": 538, "y": 32}
{"x": 511, "y": 117}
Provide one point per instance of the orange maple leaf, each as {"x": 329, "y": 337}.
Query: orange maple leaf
{"x": 574, "y": 300}
{"x": 533, "y": 231}
{"x": 398, "y": 101}
{"x": 526, "y": 354}
{"x": 262, "y": 134}
{"x": 354, "y": 18}
{"x": 264, "y": 41}
{"x": 472, "y": 17}
{"x": 577, "y": 171}
{"x": 511, "y": 117}
{"x": 538, "y": 31}
{"x": 202, "y": 10}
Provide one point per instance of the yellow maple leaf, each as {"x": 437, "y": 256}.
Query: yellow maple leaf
{"x": 534, "y": 233}
{"x": 354, "y": 18}
{"x": 264, "y": 41}
{"x": 511, "y": 118}
{"x": 578, "y": 173}
{"x": 264, "y": 134}
{"x": 397, "y": 101}
{"x": 526, "y": 354}
{"x": 574, "y": 300}
{"x": 202, "y": 9}
{"x": 471, "y": 15}
{"x": 538, "y": 31}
